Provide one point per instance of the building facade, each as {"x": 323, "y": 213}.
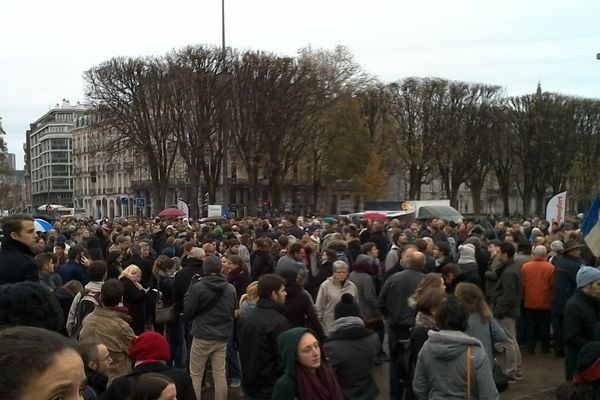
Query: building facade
{"x": 49, "y": 155}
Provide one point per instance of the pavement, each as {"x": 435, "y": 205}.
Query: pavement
{"x": 542, "y": 374}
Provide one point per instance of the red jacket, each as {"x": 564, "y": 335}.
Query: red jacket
{"x": 537, "y": 276}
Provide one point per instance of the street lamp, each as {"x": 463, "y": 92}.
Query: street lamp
{"x": 597, "y": 54}
{"x": 225, "y": 129}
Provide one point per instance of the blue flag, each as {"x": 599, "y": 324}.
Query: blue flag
{"x": 591, "y": 227}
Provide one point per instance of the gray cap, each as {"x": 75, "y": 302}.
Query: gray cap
{"x": 212, "y": 265}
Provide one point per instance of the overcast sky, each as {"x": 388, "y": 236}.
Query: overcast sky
{"x": 46, "y": 45}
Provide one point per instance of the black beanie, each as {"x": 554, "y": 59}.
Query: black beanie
{"x": 29, "y": 304}
{"x": 347, "y": 307}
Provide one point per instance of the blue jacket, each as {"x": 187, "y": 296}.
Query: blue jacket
{"x": 71, "y": 270}
{"x": 565, "y": 273}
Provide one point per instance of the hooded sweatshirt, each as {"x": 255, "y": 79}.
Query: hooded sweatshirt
{"x": 447, "y": 351}
{"x": 286, "y": 387}
{"x": 216, "y": 323}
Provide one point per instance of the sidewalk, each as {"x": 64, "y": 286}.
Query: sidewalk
{"x": 542, "y": 374}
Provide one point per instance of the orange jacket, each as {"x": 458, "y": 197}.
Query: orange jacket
{"x": 537, "y": 276}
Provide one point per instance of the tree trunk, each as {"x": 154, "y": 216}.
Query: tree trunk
{"x": 476, "y": 187}
{"x": 505, "y": 202}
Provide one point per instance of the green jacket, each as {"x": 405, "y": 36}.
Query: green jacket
{"x": 286, "y": 387}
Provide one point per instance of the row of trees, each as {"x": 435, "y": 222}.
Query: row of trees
{"x": 320, "y": 113}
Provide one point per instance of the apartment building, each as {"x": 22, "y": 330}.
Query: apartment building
{"x": 49, "y": 153}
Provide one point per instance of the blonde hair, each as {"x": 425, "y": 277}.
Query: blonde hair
{"x": 132, "y": 270}
{"x": 427, "y": 296}
{"x": 251, "y": 293}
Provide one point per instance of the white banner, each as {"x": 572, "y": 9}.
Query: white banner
{"x": 555, "y": 210}
{"x": 183, "y": 206}
{"x": 215, "y": 210}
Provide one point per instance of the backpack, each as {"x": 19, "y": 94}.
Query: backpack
{"x": 88, "y": 302}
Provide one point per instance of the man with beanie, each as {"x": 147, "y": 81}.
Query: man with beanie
{"x": 16, "y": 257}
{"x": 151, "y": 353}
{"x": 469, "y": 269}
{"x": 582, "y": 314}
{"x": 352, "y": 351}
{"x": 210, "y": 303}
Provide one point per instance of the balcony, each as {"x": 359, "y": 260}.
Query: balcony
{"x": 109, "y": 191}
{"x": 92, "y": 192}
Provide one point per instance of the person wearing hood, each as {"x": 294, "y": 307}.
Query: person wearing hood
{"x": 299, "y": 308}
{"x": 97, "y": 272}
{"x": 467, "y": 371}
{"x": 331, "y": 291}
{"x": 352, "y": 351}
{"x": 582, "y": 314}
{"x": 151, "y": 354}
{"x": 16, "y": 255}
{"x": 109, "y": 324}
{"x": 307, "y": 375}
{"x": 469, "y": 269}
{"x": 211, "y": 303}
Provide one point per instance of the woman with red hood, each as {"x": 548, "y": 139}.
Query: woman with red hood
{"x": 151, "y": 353}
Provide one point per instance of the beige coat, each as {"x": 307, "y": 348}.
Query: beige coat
{"x": 112, "y": 329}
{"x": 330, "y": 293}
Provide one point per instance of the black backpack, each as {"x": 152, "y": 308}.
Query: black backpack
{"x": 88, "y": 302}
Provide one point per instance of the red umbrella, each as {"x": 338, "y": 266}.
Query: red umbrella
{"x": 171, "y": 213}
{"x": 374, "y": 216}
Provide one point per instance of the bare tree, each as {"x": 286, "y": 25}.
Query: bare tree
{"x": 132, "y": 95}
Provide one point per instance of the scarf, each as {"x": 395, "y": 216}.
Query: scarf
{"x": 427, "y": 321}
{"x": 317, "y": 386}
{"x": 234, "y": 275}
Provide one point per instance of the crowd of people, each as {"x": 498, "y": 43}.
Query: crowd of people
{"x": 292, "y": 308}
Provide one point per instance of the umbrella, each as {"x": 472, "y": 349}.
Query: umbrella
{"x": 374, "y": 216}
{"x": 41, "y": 225}
{"x": 329, "y": 220}
{"x": 171, "y": 213}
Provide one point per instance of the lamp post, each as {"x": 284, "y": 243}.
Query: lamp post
{"x": 598, "y": 56}
{"x": 225, "y": 128}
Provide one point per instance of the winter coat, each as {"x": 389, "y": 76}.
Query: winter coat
{"x": 261, "y": 263}
{"x": 508, "y": 292}
{"x": 330, "y": 293}
{"x": 393, "y": 300}
{"x": 366, "y": 292}
{"x": 300, "y": 310}
{"x": 538, "y": 277}
{"x": 487, "y": 332}
{"x": 325, "y": 271}
{"x": 351, "y": 350}
{"x": 16, "y": 262}
{"x": 565, "y": 272}
{"x": 240, "y": 280}
{"x": 447, "y": 351}
{"x": 182, "y": 281}
{"x": 289, "y": 263}
{"x": 92, "y": 288}
{"x": 215, "y": 323}
{"x": 258, "y": 330}
{"x": 72, "y": 270}
{"x": 145, "y": 265}
{"x": 134, "y": 299}
{"x": 582, "y": 314}
{"x": 111, "y": 327}
{"x": 382, "y": 243}
{"x": 121, "y": 387}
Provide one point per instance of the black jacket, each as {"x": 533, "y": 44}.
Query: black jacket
{"x": 135, "y": 301}
{"x": 509, "y": 291}
{"x": 183, "y": 279}
{"x": 95, "y": 385}
{"x": 351, "y": 353}
{"x": 121, "y": 387}
{"x": 300, "y": 310}
{"x": 582, "y": 314}
{"x": 259, "y": 356}
{"x": 145, "y": 265}
{"x": 565, "y": 272}
{"x": 261, "y": 262}
{"x": 16, "y": 262}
